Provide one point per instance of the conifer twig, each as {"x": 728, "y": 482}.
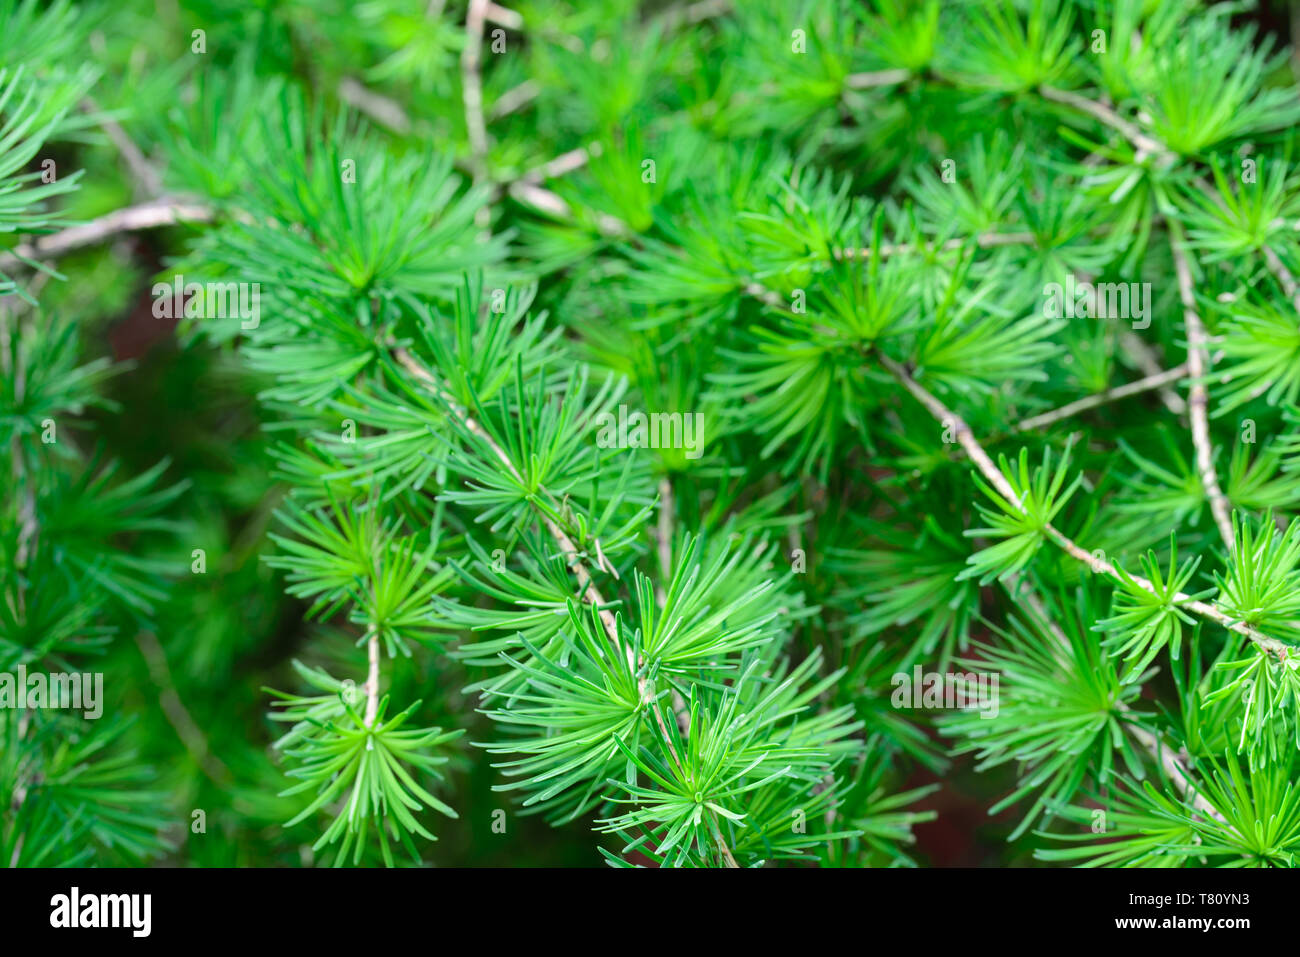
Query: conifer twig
{"x": 989, "y": 240}
{"x": 1101, "y": 398}
{"x": 1198, "y": 360}
{"x": 993, "y": 475}
{"x": 548, "y": 202}
{"x": 1150, "y": 742}
{"x": 1275, "y": 265}
{"x": 154, "y": 213}
{"x": 697, "y": 12}
{"x": 1109, "y": 117}
{"x": 502, "y": 16}
{"x": 1174, "y": 769}
{"x": 567, "y": 547}
{"x": 383, "y": 110}
{"x": 664, "y": 532}
{"x": 1197, "y": 353}
{"x": 1287, "y": 281}
{"x": 865, "y": 81}
{"x": 472, "y": 87}
{"x": 572, "y": 557}
{"x": 966, "y": 438}
{"x": 564, "y": 163}
{"x": 141, "y": 169}
{"x": 1198, "y": 399}
{"x": 171, "y": 210}
{"x": 1151, "y": 145}
{"x": 372, "y": 678}
{"x": 1145, "y": 359}
{"x": 514, "y": 99}
{"x": 664, "y": 543}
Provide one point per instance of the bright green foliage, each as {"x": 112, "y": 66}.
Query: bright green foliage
{"x": 360, "y": 767}
{"x": 1144, "y": 621}
{"x": 1021, "y": 522}
{"x": 646, "y": 394}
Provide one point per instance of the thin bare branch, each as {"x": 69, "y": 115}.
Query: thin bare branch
{"x": 503, "y": 17}
{"x": 1101, "y": 398}
{"x": 142, "y": 171}
{"x": 1145, "y": 358}
{"x": 664, "y": 534}
{"x": 472, "y": 87}
{"x": 515, "y": 98}
{"x": 166, "y": 211}
{"x": 984, "y": 241}
{"x": 1174, "y": 769}
{"x": 1109, "y": 117}
{"x": 563, "y": 164}
{"x": 383, "y": 110}
{"x": 693, "y": 13}
{"x": 1198, "y": 399}
{"x": 372, "y": 679}
{"x": 865, "y": 81}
